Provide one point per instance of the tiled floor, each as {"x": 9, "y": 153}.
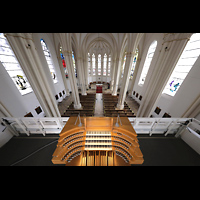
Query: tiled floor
{"x": 133, "y": 106}
{"x": 98, "y": 111}
{"x": 62, "y": 106}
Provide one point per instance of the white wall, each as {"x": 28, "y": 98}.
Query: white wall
{"x": 48, "y": 38}
{"x": 94, "y": 78}
{"x": 5, "y": 135}
{"x": 187, "y": 93}
{"x": 184, "y": 97}
{"x": 192, "y": 139}
{"x": 150, "y": 37}
{"x": 16, "y": 104}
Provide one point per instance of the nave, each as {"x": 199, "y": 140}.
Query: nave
{"x": 98, "y": 104}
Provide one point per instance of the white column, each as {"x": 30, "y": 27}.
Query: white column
{"x": 112, "y": 73}
{"x": 125, "y": 80}
{"x": 65, "y": 40}
{"x": 63, "y": 75}
{"x": 81, "y": 75}
{"x": 102, "y": 59}
{"x": 72, "y": 79}
{"x": 26, "y": 53}
{"x": 117, "y": 74}
{"x": 85, "y": 68}
{"x": 96, "y": 64}
{"x": 107, "y": 77}
{"x": 171, "y": 50}
{"x": 134, "y": 76}
{"x": 132, "y": 43}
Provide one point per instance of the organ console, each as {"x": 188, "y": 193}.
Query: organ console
{"x": 98, "y": 142}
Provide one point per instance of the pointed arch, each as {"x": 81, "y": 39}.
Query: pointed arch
{"x": 147, "y": 62}
{"x": 185, "y": 63}
{"x": 12, "y": 66}
{"x": 48, "y": 58}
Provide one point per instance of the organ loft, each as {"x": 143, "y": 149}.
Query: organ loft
{"x": 98, "y": 141}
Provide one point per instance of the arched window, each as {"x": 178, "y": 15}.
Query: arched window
{"x": 184, "y": 65}
{"x": 49, "y": 60}
{"x": 147, "y": 62}
{"x": 123, "y": 66}
{"x": 109, "y": 64}
{"x": 104, "y": 64}
{"x": 63, "y": 63}
{"x": 134, "y": 63}
{"x": 89, "y": 65}
{"x": 74, "y": 64}
{"x": 99, "y": 64}
{"x": 93, "y": 65}
{"x": 12, "y": 66}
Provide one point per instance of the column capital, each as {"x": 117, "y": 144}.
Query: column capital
{"x": 68, "y": 53}
{"x": 130, "y": 53}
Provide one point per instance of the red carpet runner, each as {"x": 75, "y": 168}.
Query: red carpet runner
{"x": 99, "y": 89}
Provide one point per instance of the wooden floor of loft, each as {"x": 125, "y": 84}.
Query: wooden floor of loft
{"x": 157, "y": 151}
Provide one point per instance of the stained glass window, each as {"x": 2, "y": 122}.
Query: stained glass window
{"x": 74, "y": 64}
{"x": 134, "y": 64}
{"x": 104, "y": 65}
{"x": 63, "y": 63}
{"x": 12, "y": 66}
{"x": 184, "y": 65}
{"x": 147, "y": 62}
{"x": 49, "y": 60}
{"x": 99, "y": 64}
{"x": 93, "y": 65}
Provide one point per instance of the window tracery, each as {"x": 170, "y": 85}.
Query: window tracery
{"x": 12, "y": 66}
{"x": 185, "y": 63}
{"x": 147, "y": 62}
{"x": 49, "y": 60}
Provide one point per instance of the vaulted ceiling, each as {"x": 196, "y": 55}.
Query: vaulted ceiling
{"x": 110, "y": 43}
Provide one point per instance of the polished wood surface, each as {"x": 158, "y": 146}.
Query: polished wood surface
{"x": 98, "y": 142}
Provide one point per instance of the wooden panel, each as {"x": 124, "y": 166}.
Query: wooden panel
{"x": 71, "y": 149}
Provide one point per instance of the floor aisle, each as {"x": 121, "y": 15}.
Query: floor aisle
{"x": 98, "y": 111}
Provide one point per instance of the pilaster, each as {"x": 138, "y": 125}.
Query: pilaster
{"x": 26, "y": 53}
{"x": 65, "y": 40}
{"x": 117, "y": 73}
{"x": 171, "y": 50}
{"x": 125, "y": 81}
{"x": 63, "y": 75}
{"x": 133, "y": 41}
{"x": 81, "y": 75}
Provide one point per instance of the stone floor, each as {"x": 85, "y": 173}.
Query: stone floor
{"x": 133, "y": 106}
{"x": 62, "y": 106}
{"x": 98, "y": 111}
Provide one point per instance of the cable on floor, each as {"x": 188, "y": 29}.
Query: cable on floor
{"x": 34, "y": 152}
